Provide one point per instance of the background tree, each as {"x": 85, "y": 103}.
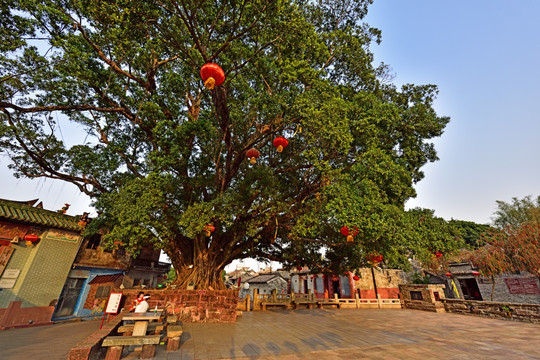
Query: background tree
{"x": 517, "y": 212}
{"x": 470, "y": 231}
{"x": 514, "y": 245}
{"x": 163, "y": 157}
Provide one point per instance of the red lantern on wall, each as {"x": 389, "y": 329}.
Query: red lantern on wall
{"x": 375, "y": 258}
{"x": 31, "y": 239}
{"x": 252, "y": 154}
{"x": 213, "y": 75}
{"x": 349, "y": 233}
{"x": 356, "y": 278}
{"x": 280, "y": 143}
{"x": 209, "y": 229}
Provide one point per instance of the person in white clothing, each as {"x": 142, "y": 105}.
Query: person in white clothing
{"x": 142, "y": 306}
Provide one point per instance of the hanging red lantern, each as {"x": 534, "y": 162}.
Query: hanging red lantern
{"x": 213, "y": 75}
{"x": 31, "y": 239}
{"x": 476, "y": 273}
{"x": 280, "y": 143}
{"x": 438, "y": 254}
{"x": 449, "y": 274}
{"x": 349, "y": 233}
{"x": 209, "y": 229}
{"x": 252, "y": 154}
{"x": 299, "y": 268}
{"x": 375, "y": 258}
{"x": 355, "y": 278}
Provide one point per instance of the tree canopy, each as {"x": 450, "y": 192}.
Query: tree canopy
{"x": 164, "y": 157}
{"x": 517, "y": 212}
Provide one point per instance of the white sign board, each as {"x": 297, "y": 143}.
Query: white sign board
{"x": 11, "y": 274}
{"x": 7, "y": 283}
{"x": 114, "y": 303}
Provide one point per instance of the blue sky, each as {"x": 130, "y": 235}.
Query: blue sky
{"x": 484, "y": 56}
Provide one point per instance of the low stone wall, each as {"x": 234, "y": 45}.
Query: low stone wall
{"x": 423, "y": 296}
{"x": 510, "y": 311}
{"x": 90, "y": 347}
{"x": 191, "y": 305}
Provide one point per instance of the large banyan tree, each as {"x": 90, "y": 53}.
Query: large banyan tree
{"x": 167, "y": 159}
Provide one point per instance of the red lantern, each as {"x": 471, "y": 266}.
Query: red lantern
{"x": 449, "y": 274}
{"x": 375, "y": 258}
{"x": 280, "y": 142}
{"x": 355, "y": 278}
{"x": 30, "y": 239}
{"x": 299, "y": 268}
{"x": 252, "y": 154}
{"x": 350, "y": 234}
{"x": 209, "y": 229}
{"x": 213, "y": 75}
{"x": 476, "y": 273}
{"x": 438, "y": 254}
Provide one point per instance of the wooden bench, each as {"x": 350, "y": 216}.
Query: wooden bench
{"x": 115, "y": 345}
{"x": 309, "y": 303}
{"x": 155, "y": 327}
{"x": 320, "y": 304}
{"x": 266, "y": 303}
{"x": 174, "y": 332}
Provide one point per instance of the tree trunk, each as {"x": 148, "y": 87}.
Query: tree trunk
{"x": 200, "y": 272}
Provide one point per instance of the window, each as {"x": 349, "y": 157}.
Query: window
{"x": 437, "y": 296}
{"x": 416, "y": 295}
{"x": 93, "y": 241}
{"x": 103, "y": 291}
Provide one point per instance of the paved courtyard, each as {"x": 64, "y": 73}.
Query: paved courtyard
{"x": 359, "y": 334}
{"x": 313, "y": 334}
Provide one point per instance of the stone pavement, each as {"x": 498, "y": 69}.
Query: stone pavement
{"x": 44, "y": 342}
{"x": 312, "y": 334}
{"x": 358, "y": 334}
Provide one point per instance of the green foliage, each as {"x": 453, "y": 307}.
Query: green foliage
{"x": 418, "y": 278}
{"x": 517, "y": 212}
{"x": 164, "y": 157}
{"x": 471, "y": 232}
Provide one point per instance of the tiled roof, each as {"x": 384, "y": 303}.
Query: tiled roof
{"x": 15, "y": 211}
{"x": 262, "y": 278}
{"x": 101, "y": 279}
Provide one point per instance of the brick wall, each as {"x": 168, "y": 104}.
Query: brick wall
{"x": 502, "y": 292}
{"x": 45, "y": 271}
{"x": 511, "y": 311}
{"x": 191, "y": 305}
{"x": 423, "y": 297}
{"x": 387, "y": 280}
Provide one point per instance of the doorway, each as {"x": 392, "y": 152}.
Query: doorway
{"x": 69, "y": 297}
{"x": 470, "y": 290}
{"x": 336, "y": 288}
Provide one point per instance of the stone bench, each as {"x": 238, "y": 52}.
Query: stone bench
{"x": 155, "y": 327}
{"x": 320, "y": 304}
{"x": 308, "y": 303}
{"x": 266, "y": 303}
{"x": 115, "y": 345}
{"x": 174, "y": 332}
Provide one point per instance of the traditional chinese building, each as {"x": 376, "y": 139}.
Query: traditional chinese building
{"x": 365, "y": 283}
{"x": 37, "y": 249}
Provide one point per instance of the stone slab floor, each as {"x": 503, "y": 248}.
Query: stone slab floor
{"x": 312, "y": 334}
{"x": 358, "y": 334}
